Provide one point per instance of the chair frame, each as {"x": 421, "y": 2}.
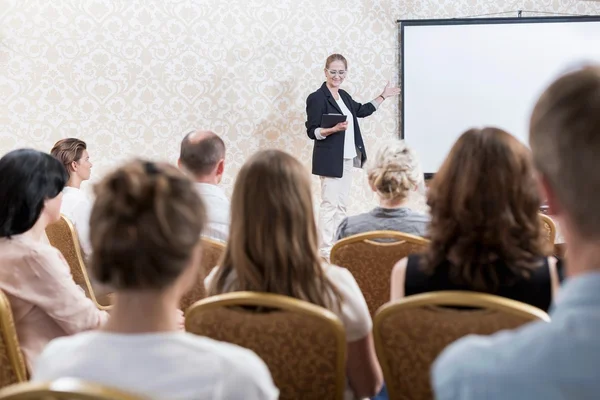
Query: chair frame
{"x": 15, "y": 357}
{"x": 552, "y": 226}
{"x": 285, "y": 303}
{"x": 64, "y": 388}
{"x": 447, "y": 298}
{"x": 89, "y": 288}
{"x": 369, "y": 236}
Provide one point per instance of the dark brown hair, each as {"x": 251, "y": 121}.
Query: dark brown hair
{"x": 68, "y": 150}
{"x": 146, "y": 222}
{"x": 201, "y": 157}
{"x": 273, "y": 240}
{"x": 484, "y": 212}
{"x": 565, "y": 141}
{"x": 336, "y": 57}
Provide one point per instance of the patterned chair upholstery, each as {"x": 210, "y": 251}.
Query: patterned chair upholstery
{"x": 550, "y": 228}
{"x": 212, "y": 251}
{"x": 63, "y": 236}
{"x": 12, "y": 365}
{"x": 303, "y": 345}
{"x": 410, "y": 333}
{"x": 371, "y": 261}
{"x": 64, "y": 389}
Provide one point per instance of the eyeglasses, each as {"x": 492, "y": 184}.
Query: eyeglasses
{"x": 333, "y": 72}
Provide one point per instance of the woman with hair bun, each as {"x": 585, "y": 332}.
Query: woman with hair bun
{"x": 46, "y": 303}
{"x": 146, "y": 224}
{"x": 394, "y": 174}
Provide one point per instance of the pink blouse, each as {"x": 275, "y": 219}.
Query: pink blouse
{"x": 45, "y": 301}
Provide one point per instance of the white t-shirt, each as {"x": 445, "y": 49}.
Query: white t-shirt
{"x": 349, "y": 144}
{"x": 165, "y": 366}
{"x": 354, "y": 312}
{"x": 77, "y": 207}
{"x": 217, "y": 211}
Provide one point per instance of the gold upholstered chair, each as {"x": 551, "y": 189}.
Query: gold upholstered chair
{"x": 371, "y": 260}
{"x": 63, "y": 236}
{"x": 303, "y": 345}
{"x": 12, "y": 368}
{"x": 550, "y": 228}
{"x": 64, "y": 389}
{"x": 410, "y": 333}
{"x": 212, "y": 251}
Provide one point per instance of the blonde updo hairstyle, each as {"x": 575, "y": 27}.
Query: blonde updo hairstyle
{"x": 393, "y": 171}
{"x": 145, "y": 225}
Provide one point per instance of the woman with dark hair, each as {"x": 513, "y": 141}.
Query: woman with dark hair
{"x": 273, "y": 248}
{"x": 486, "y": 234}
{"x": 45, "y": 301}
{"x": 147, "y": 220}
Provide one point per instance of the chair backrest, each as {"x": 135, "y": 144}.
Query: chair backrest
{"x": 212, "y": 251}
{"x": 303, "y": 345}
{"x": 371, "y": 261}
{"x": 410, "y": 333}
{"x": 63, "y": 236}
{"x": 550, "y": 228}
{"x": 64, "y": 389}
{"x": 12, "y": 367}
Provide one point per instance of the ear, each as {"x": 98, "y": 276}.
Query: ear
{"x": 179, "y": 163}
{"x": 220, "y": 167}
{"x": 547, "y": 192}
{"x": 73, "y": 166}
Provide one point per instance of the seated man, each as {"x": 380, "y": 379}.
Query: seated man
{"x": 202, "y": 156}
{"x": 559, "y": 360}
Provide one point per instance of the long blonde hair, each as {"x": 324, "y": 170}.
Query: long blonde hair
{"x": 273, "y": 240}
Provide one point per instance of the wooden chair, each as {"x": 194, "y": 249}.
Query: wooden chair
{"x": 12, "y": 367}
{"x": 410, "y": 333}
{"x": 64, "y": 389}
{"x": 63, "y": 236}
{"x": 303, "y": 345}
{"x": 550, "y": 228}
{"x": 371, "y": 261}
{"x": 212, "y": 251}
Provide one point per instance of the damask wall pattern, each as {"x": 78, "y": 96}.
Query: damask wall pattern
{"x": 131, "y": 77}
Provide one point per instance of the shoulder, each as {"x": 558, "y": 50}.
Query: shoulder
{"x": 244, "y": 370}
{"x": 62, "y": 348}
{"x": 355, "y": 224}
{"x": 316, "y": 95}
{"x": 504, "y": 356}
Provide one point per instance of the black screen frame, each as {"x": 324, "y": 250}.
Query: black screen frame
{"x": 471, "y": 21}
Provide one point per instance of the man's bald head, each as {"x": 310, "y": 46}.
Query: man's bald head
{"x": 201, "y": 152}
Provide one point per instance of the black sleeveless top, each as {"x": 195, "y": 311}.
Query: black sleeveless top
{"x": 535, "y": 290}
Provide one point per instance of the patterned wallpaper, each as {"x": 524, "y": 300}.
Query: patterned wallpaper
{"x": 130, "y": 77}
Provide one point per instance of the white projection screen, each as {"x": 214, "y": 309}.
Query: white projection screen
{"x": 459, "y": 74}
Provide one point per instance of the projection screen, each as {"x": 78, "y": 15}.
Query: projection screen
{"x": 458, "y": 74}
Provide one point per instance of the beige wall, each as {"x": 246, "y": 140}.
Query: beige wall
{"x": 130, "y": 77}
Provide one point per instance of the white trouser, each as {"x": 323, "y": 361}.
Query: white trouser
{"x": 334, "y": 200}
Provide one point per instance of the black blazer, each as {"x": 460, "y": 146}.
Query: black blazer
{"x": 328, "y": 154}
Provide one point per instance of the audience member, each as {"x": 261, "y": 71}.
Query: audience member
{"x": 559, "y": 360}
{"x": 393, "y": 173}
{"x": 203, "y": 157}
{"x": 76, "y": 206}
{"x": 146, "y": 222}
{"x": 486, "y": 233}
{"x": 46, "y": 303}
{"x": 274, "y": 248}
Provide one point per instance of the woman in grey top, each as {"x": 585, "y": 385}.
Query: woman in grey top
{"x": 395, "y": 176}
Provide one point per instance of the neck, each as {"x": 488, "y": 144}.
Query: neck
{"x": 38, "y": 230}
{"x": 391, "y": 203}
{"x": 210, "y": 179}
{"x": 74, "y": 181}
{"x": 333, "y": 89}
{"x": 144, "y": 312}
